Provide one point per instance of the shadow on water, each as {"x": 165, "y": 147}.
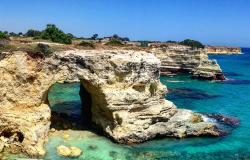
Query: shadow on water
{"x": 67, "y": 115}
{"x": 232, "y": 74}
{"x": 70, "y": 107}
{"x": 188, "y": 93}
{"x": 235, "y": 82}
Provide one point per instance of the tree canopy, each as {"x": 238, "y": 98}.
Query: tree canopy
{"x": 3, "y": 35}
{"x": 55, "y": 35}
{"x": 192, "y": 43}
{"x": 33, "y": 33}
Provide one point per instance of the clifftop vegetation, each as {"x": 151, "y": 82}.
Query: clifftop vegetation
{"x": 55, "y": 35}
{"x": 10, "y": 41}
{"x": 3, "y": 36}
{"x": 192, "y": 43}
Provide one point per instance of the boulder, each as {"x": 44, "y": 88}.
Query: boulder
{"x": 72, "y": 152}
{"x": 63, "y": 151}
{"x": 75, "y": 152}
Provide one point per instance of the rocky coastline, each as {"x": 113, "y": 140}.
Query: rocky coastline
{"x": 191, "y": 61}
{"x": 222, "y": 50}
{"x": 126, "y": 98}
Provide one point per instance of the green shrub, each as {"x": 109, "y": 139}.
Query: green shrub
{"x": 87, "y": 44}
{"x": 44, "y": 48}
{"x": 3, "y": 36}
{"x": 32, "y": 33}
{"x": 40, "y": 51}
{"x": 192, "y": 43}
{"x": 114, "y": 42}
{"x": 144, "y": 43}
{"x": 4, "y": 40}
{"x": 55, "y": 35}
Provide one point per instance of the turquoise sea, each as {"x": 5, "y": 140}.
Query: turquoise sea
{"x": 231, "y": 97}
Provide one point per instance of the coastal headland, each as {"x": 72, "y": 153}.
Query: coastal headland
{"x": 126, "y": 100}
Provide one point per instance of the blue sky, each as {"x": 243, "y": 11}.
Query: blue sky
{"x": 215, "y": 22}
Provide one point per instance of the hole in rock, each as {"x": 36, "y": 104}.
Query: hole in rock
{"x": 13, "y": 136}
{"x": 70, "y": 105}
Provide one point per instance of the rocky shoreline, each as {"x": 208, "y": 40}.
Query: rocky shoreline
{"x": 222, "y": 50}
{"x": 194, "y": 62}
{"x": 126, "y": 98}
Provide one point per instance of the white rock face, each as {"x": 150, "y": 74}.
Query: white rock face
{"x": 195, "y": 62}
{"x": 127, "y": 99}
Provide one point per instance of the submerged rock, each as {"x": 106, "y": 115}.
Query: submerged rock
{"x": 75, "y": 152}
{"x": 126, "y": 99}
{"x": 190, "y": 93}
{"x": 63, "y": 151}
{"x": 69, "y": 151}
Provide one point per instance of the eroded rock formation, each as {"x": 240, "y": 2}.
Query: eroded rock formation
{"x": 222, "y": 50}
{"x": 196, "y": 62}
{"x": 127, "y": 98}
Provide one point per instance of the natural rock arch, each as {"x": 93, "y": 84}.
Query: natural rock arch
{"x": 128, "y": 101}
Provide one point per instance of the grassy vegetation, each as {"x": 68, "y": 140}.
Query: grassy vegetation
{"x": 86, "y": 44}
{"x": 114, "y": 42}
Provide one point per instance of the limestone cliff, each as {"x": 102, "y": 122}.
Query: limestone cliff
{"x": 222, "y": 50}
{"x": 191, "y": 61}
{"x": 126, "y": 97}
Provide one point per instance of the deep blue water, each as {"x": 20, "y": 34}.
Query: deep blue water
{"x": 231, "y": 97}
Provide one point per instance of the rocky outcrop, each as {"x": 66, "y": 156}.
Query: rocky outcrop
{"x": 222, "y": 50}
{"x": 126, "y": 99}
{"x": 196, "y": 62}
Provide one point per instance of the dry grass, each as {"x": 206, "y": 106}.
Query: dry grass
{"x": 28, "y": 43}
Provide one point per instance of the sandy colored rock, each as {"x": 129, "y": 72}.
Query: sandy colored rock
{"x": 72, "y": 152}
{"x": 66, "y": 136}
{"x": 1, "y": 146}
{"x": 123, "y": 87}
{"x": 187, "y": 60}
{"x": 63, "y": 151}
{"x": 75, "y": 152}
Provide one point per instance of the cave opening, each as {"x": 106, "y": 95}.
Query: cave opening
{"x": 70, "y": 105}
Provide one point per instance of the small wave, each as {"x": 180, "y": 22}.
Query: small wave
{"x": 235, "y": 81}
{"x": 176, "y": 81}
{"x": 207, "y": 119}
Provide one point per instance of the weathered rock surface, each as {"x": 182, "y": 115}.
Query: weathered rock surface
{"x": 196, "y": 62}
{"x": 125, "y": 97}
{"x": 222, "y": 50}
{"x": 71, "y": 152}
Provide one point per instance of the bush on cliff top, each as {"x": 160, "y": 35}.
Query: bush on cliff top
{"x": 114, "y": 42}
{"x": 55, "y": 35}
{"x": 86, "y": 44}
{"x": 39, "y": 51}
{"x": 4, "y": 40}
{"x": 192, "y": 43}
{"x": 3, "y": 36}
{"x": 33, "y": 33}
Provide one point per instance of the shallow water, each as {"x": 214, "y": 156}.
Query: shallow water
{"x": 231, "y": 97}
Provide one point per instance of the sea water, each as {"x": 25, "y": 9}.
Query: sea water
{"x": 231, "y": 97}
